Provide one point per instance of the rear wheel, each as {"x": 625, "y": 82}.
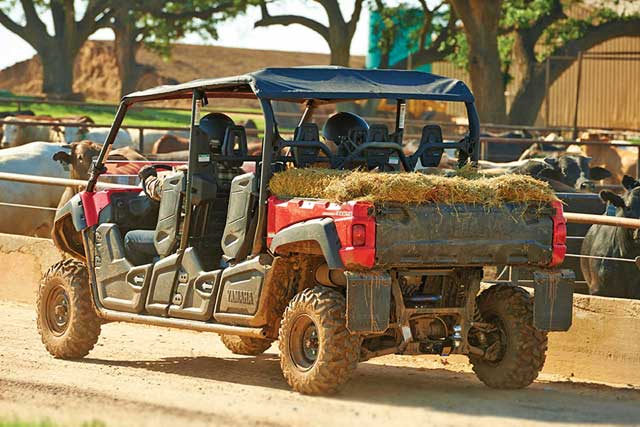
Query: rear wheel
{"x": 67, "y": 322}
{"x": 514, "y": 348}
{"x": 245, "y": 345}
{"x": 317, "y": 353}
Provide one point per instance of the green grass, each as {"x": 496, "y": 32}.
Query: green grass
{"x": 135, "y": 117}
{"x": 15, "y": 422}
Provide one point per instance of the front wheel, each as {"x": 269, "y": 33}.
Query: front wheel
{"x": 67, "y": 322}
{"x": 317, "y": 353}
{"x": 514, "y": 348}
{"x": 246, "y": 346}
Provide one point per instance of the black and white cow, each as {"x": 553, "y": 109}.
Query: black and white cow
{"x": 609, "y": 277}
{"x": 565, "y": 173}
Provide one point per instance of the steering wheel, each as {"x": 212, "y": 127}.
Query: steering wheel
{"x": 156, "y": 167}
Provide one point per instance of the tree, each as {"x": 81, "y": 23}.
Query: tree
{"x": 156, "y": 24}
{"x": 558, "y": 35}
{"x": 507, "y": 42}
{"x": 481, "y": 27}
{"x": 57, "y": 51}
{"x": 127, "y": 43}
{"x": 338, "y": 34}
{"x": 439, "y": 20}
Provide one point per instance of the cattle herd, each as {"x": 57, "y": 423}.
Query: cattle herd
{"x": 53, "y": 148}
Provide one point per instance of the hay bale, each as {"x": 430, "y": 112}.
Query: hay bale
{"x": 410, "y": 187}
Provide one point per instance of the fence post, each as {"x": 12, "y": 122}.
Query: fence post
{"x": 575, "y": 111}
{"x": 141, "y": 140}
{"x": 547, "y": 84}
{"x": 638, "y": 164}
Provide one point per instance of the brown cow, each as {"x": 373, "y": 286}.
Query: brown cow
{"x": 80, "y": 158}
{"x": 604, "y": 155}
{"x": 169, "y": 143}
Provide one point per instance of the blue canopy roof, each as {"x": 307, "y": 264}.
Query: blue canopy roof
{"x": 324, "y": 83}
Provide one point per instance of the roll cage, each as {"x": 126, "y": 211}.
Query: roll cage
{"x": 312, "y": 86}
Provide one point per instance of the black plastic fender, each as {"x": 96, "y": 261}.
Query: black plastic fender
{"x": 321, "y": 230}
{"x": 553, "y": 299}
{"x": 74, "y": 208}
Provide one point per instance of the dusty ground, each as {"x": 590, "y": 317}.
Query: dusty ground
{"x": 144, "y": 376}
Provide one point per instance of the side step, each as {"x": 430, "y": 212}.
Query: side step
{"x": 167, "y": 322}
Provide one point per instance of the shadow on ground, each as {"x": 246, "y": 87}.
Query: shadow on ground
{"x": 437, "y": 389}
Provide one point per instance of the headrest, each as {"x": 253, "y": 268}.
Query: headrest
{"x": 307, "y": 132}
{"x": 378, "y": 133}
{"x": 235, "y": 142}
{"x": 431, "y": 146}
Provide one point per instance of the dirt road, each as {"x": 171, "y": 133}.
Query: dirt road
{"x": 144, "y": 376}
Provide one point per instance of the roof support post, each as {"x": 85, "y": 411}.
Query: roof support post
{"x": 474, "y": 131}
{"x": 98, "y": 166}
{"x": 259, "y": 240}
{"x": 196, "y": 99}
{"x": 401, "y": 111}
{"x": 308, "y": 112}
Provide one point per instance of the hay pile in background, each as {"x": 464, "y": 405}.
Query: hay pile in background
{"x": 341, "y": 186}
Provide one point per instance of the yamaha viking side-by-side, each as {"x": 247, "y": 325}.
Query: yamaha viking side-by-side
{"x": 334, "y": 283}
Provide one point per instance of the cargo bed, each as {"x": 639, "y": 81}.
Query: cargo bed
{"x": 466, "y": 235}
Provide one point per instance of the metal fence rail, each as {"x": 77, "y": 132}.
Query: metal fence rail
{"x": 636, "y": 260}
{"x": 21, "y": 102}
{"x": 505, "y": 276}
{"x": 20, "y": 205}
{"x": 409, "y": 136}
{"x": 60, "y": 182}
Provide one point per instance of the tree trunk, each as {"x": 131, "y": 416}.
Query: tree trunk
{"x": 340, "y": 44}
{"x": 129, "y": 70}
{"x": 528, "y": 100}
{"x": 126, "y": 47}
{"x": 481, "y": 19}
{"x": 340, "y": 55}
{"x": 57, "y": 70}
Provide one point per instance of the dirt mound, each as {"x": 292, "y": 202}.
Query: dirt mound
{"x": 96, "y": 73}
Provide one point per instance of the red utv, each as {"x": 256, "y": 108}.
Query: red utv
{"x": 334, "y": 283}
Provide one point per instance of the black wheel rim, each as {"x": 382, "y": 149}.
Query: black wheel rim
{"x": 57, "y": 311}
{"x": 304, "y": 342}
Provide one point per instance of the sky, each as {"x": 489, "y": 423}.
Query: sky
{"x": 238, "y": 32}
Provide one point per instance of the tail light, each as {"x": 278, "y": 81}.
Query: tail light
{"x": 358, "y": 235}
{"x": 559, "y": 235}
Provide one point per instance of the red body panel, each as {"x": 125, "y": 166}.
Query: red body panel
{"x": 93, "y": 203}
{"x": 559, "y": 235}
{"x": 283, "y": 213}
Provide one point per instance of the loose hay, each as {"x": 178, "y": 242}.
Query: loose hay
{"x": 412, "y": 187}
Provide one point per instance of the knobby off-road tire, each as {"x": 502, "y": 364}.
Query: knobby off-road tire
{"x": 317, "y": 353}
{"x": 245, "y": 345}
{"x": 67, "y": 322}
{"x": 524, "y": 347}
